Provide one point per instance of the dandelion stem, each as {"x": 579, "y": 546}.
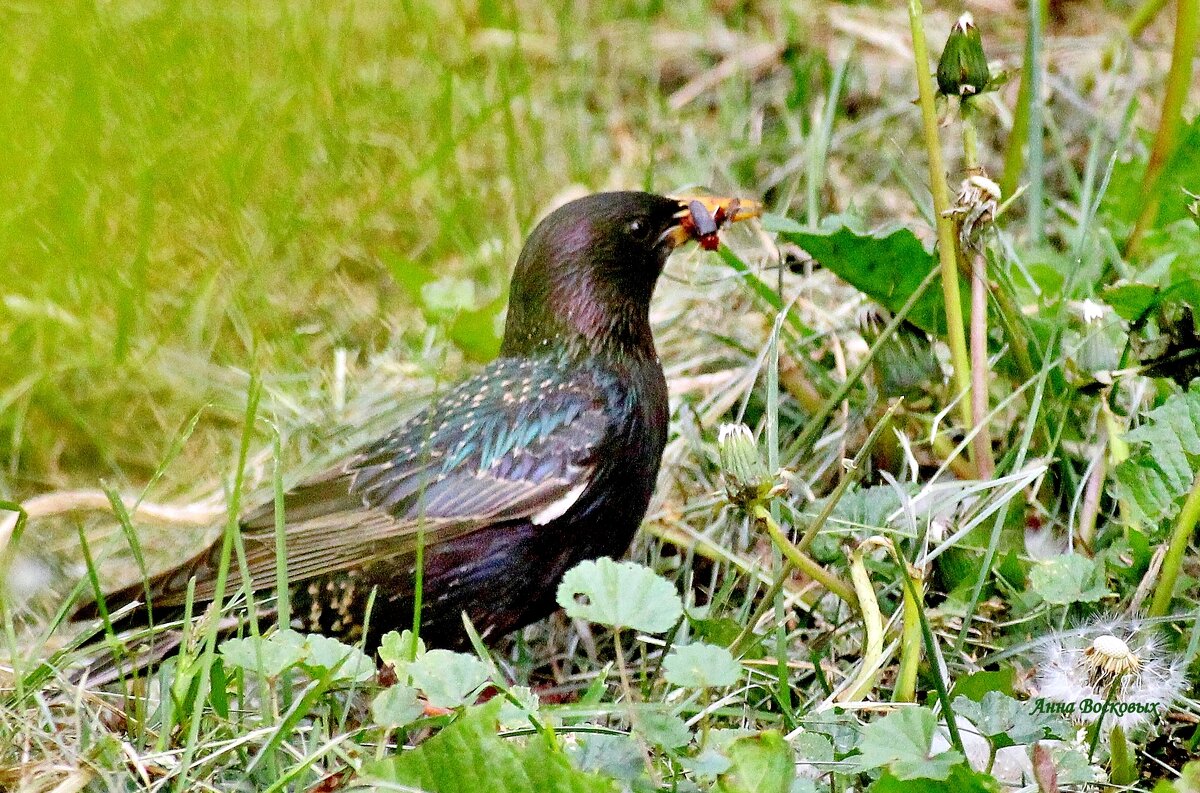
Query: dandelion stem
{"x": 981, "y": 446}
{"x": 868, "y": 606}
{"x": 910, "y": 642}
{"x": 947, "y": 240}
{"x": 1185, "y": 524}
{"x": 802, "y": 561}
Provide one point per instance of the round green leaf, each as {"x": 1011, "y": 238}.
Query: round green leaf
{"x": 396, "y": 706}
{"x": 620, "y": 595}
{"x": 701, "y": 665}
{"x": 448, "y": 679}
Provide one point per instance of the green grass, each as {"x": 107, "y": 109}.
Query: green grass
{"x": 306, "y": 214}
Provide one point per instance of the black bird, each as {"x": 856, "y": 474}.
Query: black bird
{"x": 546, "y": 457}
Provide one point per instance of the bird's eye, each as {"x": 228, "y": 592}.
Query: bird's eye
{"x": 639, "y": 228}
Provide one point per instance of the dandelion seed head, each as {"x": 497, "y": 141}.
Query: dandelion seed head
{"x": 1118, "y": 660}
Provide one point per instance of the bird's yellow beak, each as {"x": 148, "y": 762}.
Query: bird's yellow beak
{"x": 697, "y": 210}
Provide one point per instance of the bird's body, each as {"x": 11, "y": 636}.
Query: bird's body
{"x": 544, "y": 458}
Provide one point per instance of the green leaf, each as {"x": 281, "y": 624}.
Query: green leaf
{"x": 760, "y": 764}
{"x": 1069, "y": 578}
{"x": 617, "y": 756}
{"x": 469, "y": 757}
{"x": 977, "y": 684}
{"x": 285, "y": 649}
{"x": 447, "y": 678}
{"x": 448, "y": 295}
{"x": 902, "y": 743}
{"x": 814, "y": 748}
{"x": 398, "y": 650}
{"x": 323, "y": 654}
{"x": 701, "y": 665}
{"x": 1124, "y": 198}
{"x": 662, "y": 729}
{"x": 1130, "y": 301}
{"x": 515, "y": 715}
{"x": 960, "y": 780}
{"x": 276, "y": 657}
{"x": 396, "y": 706}
{"x": 620, "y": 595}
{"x": 888, "y": 266}
{"x": 1005, "y": 721}
{"x": 1164, "y": 459}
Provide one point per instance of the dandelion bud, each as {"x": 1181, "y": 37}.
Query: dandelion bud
{"x": 963, "y": 68}
{"x": 747, "y": 479}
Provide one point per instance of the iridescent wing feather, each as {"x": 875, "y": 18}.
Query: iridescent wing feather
{"x": 518, "y": 442}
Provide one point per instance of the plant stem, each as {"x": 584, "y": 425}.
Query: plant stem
{"x": 1185, "y": 524}
{"x": 955, "y": 330}
{"x": 1142, "y": 16}
{"x": 1014, "y": 158}
{"x": 868, "y": 606}
{"x": 1179, "y": 78}
{"x": 802, "y": 561}
{"x": 858, "y": 465}
{"x": 981, "y": 446}
{"x": 817, "y": 422}
{"x": 627, "y": 690}
{"x": 910, "y": 641}
{"x": 935, "y": 660}
{"x": 1034, "y": 125}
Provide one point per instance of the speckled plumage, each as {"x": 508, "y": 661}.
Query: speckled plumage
{"x": 545, "y": 457}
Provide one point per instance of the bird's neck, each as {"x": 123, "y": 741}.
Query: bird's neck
{"x": 581, "y": 319}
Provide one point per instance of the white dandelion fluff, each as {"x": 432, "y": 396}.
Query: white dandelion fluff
{"x": 1115, "y": 668}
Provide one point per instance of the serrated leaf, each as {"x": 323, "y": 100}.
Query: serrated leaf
{"x": 707, "y": 764}
{"x": 902, "y": 743}
{"x": 888, "y": 266}
{"x": 448, "y": 679}
{"x": 759, "y": 764}
{"x": 813, "y": 747}
{"x": 1069, "y": 578}
{"x": 515, "y": 715}
{"x": 620, "y": 594}
{"x": 1125, "y": 196}
{"x": 1164, "y": 459}
{"x": 701, "y": 665}
{"x": 396, "y": 706}
{"x": 455, "y": 760}
{"x": 318, "y": 655}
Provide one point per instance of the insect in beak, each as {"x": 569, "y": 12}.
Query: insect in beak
{"x": 702, "y": 217}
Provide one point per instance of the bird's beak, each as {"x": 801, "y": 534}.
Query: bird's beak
{"x": 729, "y": 209}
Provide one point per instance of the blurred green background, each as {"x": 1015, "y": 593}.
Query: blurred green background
{"x": 193, "y": 191}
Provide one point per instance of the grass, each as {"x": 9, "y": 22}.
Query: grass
{"x": 244, "y": 237}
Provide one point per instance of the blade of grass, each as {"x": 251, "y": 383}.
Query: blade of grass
{"x": 816, "y": 422}
{"x": 1181, "y": 535}
{"x": 232, "y": 526}
{"x": 1179, "y": 81}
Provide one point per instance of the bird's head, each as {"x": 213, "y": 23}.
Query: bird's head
{"x": 588, "y": 270}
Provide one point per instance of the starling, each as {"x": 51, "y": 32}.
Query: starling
{"x": 546, "y": 457}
